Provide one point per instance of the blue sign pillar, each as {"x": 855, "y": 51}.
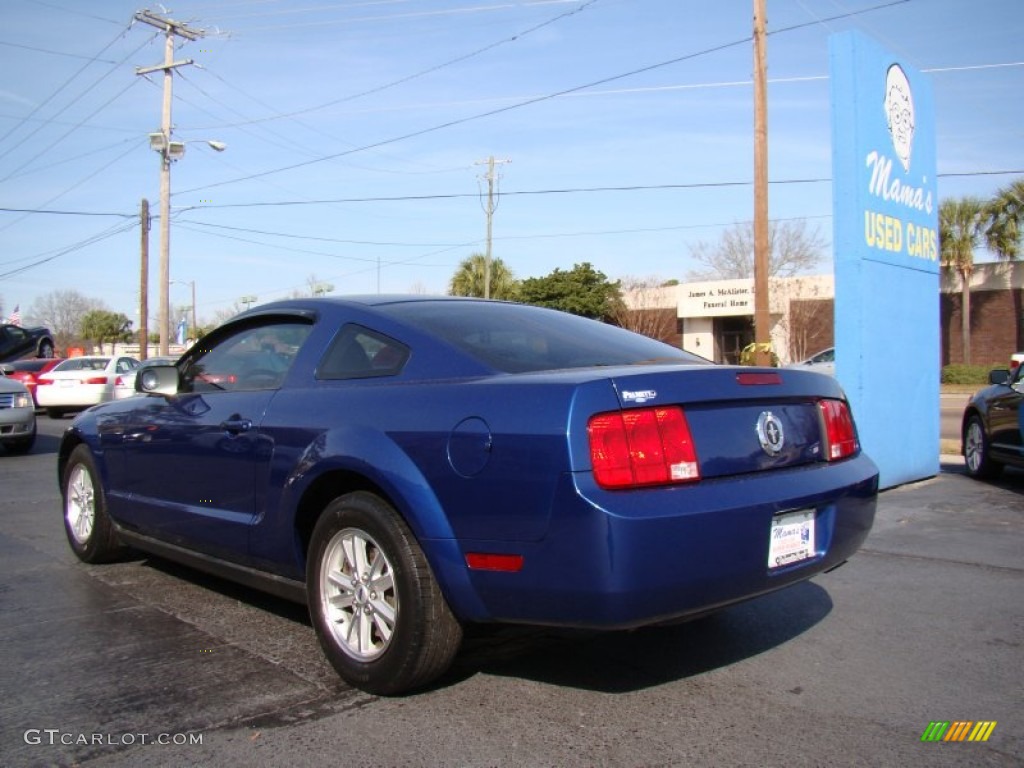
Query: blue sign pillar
{"x": 886, "y": 240}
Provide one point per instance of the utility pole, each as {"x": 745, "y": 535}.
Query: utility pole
{"x": 489, "y": 209}
{"x": 168, "y": 150}
{"x": 144, "y": 281}
{"x": 762, "y": 312}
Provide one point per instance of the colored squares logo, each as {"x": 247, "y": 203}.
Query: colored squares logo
{"x": 958, "y": 730}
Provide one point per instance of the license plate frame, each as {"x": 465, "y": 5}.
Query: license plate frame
{"x": 791, "y": 539}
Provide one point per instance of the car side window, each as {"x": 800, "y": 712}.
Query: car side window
{"x": 359, "y": 353}
{"x": 253, "y": 358}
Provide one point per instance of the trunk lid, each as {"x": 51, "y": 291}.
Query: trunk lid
{"x": 741, "y": 419}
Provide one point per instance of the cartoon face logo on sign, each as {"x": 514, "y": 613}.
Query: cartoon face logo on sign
{"x": 899, "y": 112}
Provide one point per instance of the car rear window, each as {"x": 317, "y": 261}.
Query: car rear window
{"x": 29, "y": 365}
{"x": 83, "y": 364}
{"x": 516, "y": 338}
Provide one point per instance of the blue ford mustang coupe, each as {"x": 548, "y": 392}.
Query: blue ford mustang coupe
{"x": 408, "y": 465}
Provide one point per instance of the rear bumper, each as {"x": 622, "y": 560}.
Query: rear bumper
{"x": 626, "y": 559}
{"x": 55, "y": 396}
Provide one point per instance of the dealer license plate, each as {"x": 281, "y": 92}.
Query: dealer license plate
{"x": 792, "y": 538}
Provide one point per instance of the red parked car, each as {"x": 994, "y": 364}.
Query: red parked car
{"x": 27, "y": 371}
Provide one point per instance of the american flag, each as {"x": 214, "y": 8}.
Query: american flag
{"x": 15, "y": 316}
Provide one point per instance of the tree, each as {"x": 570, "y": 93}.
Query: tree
{"x": 62, "y": 313}
{"x": 582, "y": 291}
{"x": 221, "y": 316}
{"x": 961, "y": 228}
{"x": 1005, "y": 223}
{"x": 792, "y": 249}
{"x": 101, "y": 325}
{"x": 646, "y": 309}
{"x": 468, "y": 279}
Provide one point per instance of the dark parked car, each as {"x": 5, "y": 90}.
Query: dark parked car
{"x": 17, "y": 342}
{"x": 993, "y": 425}
{"x": 410, "y": 465}
{"x": 28, "y": 371}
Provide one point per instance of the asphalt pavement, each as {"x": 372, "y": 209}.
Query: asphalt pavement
{"x": 143, "y": 662}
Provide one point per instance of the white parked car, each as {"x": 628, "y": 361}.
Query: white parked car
{"x": 1015, "y": 361}
{"x": 17, "y": 416}
{"x": 823, "y": 362}
{"x": 124, "y": 383}
{"x": 81, "y": 382}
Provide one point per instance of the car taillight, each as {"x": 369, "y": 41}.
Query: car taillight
{"x": 643, "y": 446}
{"x": 96, "y": 380}
{"x": 840, "y": 434}
{"x": 43, "y": 380}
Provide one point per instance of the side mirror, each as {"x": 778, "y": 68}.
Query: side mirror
{"x": 157, "y": 380}
{"x": 999, "y": 376}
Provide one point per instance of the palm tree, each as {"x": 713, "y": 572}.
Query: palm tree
{"x": 1006, "y": 219}
{"x": 961, "y": 228}
{"x": 468, "y": 279}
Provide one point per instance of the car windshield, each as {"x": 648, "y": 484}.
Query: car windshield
{"x": 516, "y": 338}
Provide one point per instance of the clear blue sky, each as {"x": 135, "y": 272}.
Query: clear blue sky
{"x": 355, "y": 130}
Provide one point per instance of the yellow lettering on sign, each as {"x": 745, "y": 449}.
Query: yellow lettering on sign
{"x": 922, "y": 242}
{"x": 883, "y": 232}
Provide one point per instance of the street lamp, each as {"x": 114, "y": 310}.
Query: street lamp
{"x": 169, "y": 151}
{"x": 192, "y": 283}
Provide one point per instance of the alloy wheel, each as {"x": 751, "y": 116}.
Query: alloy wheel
{"x": 359, "y": 599}
{"x": 80, "y": 506}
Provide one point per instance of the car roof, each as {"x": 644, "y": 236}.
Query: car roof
{"x": 362, "y": 300}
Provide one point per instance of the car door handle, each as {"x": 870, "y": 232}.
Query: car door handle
{"x": 236, "y": 425}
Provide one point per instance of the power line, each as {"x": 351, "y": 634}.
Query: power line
{"x": 457, "y": 195}
{"x": 56, "y": 53}
{"x": 60, "y": 88}
{"x": 115, "y": 230}
{"x": 78, "y": 183}
{"x": 75, "y": 11}
{"x": 471, "y": 118}
{"x": 313, "y": 237}
{"x": 424, "y": 72}
{"x": 528, "y": 102}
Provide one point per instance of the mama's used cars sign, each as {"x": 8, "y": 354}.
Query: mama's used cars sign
{"x": 885, "y": 212}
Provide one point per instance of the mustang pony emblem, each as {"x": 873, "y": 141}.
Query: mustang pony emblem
{"x": 770, "y": 433}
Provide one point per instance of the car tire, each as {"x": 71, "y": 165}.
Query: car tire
{"x": 55, "y": 413}
{"x": 388, "y": 629}
{"x": 977, "y": 457}
{"x": 86, "y": 523}
{"x": 46, "y": 349}
{"x": 21, "y": 445}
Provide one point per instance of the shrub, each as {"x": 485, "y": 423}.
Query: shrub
{"x": 968, "y": 374}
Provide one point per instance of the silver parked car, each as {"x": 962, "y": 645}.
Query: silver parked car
{"x": 17, "y": 416}
{"x": 822, "y": 362}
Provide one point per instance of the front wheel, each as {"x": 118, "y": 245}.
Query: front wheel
{"x": 977, "y": 458}
{"x": 378, "y": 611}
{"x": 89, "y": 530}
